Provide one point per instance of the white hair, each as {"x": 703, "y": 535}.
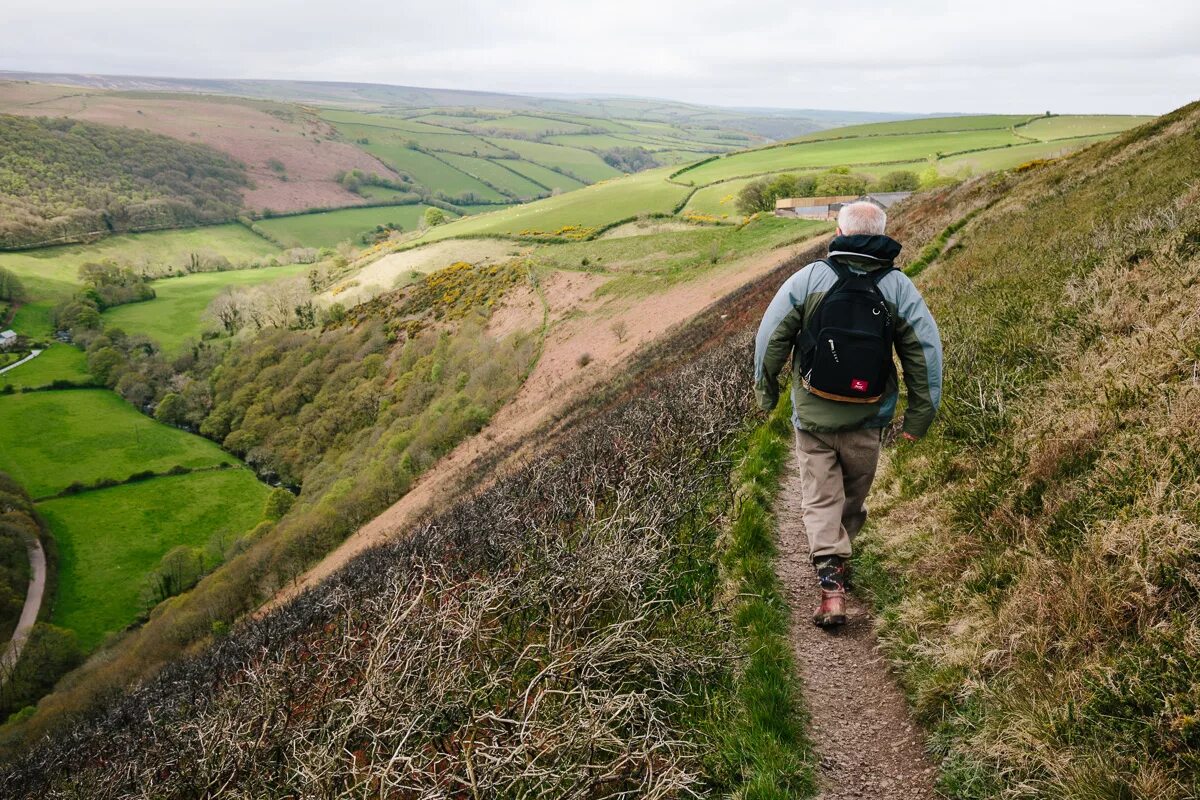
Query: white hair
{"x": 862, "y": 217}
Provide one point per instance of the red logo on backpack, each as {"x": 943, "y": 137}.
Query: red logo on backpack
{"x": 858, "y": 385}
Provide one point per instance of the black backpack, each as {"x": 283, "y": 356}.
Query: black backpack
{"x": 845, "y": 348}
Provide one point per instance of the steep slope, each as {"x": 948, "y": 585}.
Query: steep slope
{"x": 553, "y": 635}
{"x": 550, "y": 634}
{"x": 1036, "y": 560}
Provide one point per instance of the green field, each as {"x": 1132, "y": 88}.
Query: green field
{"x": 327, "y": 228}
{"x": 583, "y": 164}
{"x": 590, "y": 207}
{"x": 177, "y": 313}
{"x": 862, "y": 150}
{"x": 51, "y": 274}
{"x": 522, "y": 123}
{"x": 57, "y": 362}
{"x": 495, "y": 174}
{"x": 717, "y": 200}
{"x": 48, "y": 440}
{"x": 378, "y": 121}
{"x": 607, "y": 141}
{"x": 448, "y": 142}
{"x": 544, "y": 176}
{"x": 1067, "y": 126}
{"x": 110, "y": 539}
{"x": 428, "y": 170}
{"x": 973, "y": 122}
{"x": 169, "y": 249}
{"x": 1007, "y": 158}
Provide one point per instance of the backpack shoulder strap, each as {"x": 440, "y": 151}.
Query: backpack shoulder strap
{"x": 880, "y": 274}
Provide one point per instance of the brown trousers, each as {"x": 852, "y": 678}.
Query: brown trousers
{"x": 836, "y": 471}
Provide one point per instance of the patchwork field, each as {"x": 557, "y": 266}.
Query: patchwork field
{"x": 954, "y": 146}
{"x": 177, "y": 313}
{"x": 591, "y": 207}
{"x": 110, "y": 539}
{"x": 50, "y": 440}
{"x": 327, "y": 228}
{"x": 257, "y": 133}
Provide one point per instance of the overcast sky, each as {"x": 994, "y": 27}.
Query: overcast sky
{"x": 918, "y": 56}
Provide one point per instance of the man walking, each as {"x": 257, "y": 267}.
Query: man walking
{"x": 839, "y": 320}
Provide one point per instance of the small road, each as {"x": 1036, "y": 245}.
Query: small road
{"x": 864, "y": 734}
{"x": 29, "y": 614}
{"x": 32, "y": 355}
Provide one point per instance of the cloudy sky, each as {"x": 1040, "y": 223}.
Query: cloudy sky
{"x": 917, "y": 56}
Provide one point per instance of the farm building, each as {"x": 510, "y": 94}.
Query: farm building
{"x": 7, "y": 339}
{"x": 828, "y": 206}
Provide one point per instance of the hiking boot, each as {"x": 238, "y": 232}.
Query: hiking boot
{"x": 831, "y": 573}
{"x": 832, "y": 611}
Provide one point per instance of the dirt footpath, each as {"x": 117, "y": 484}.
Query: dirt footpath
{"x": 868, "y": 744}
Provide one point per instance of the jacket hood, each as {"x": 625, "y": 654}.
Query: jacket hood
{"x": 866, "y": 249}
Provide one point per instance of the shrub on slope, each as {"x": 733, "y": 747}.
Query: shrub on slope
{"x": 1037, "y": 559}
{"x": 62, "y": 179}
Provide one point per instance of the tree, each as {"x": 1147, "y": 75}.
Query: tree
{"x": 279, "y": 502}
{"x": 50, "y": 653}
{"x": 901, "y": 180}
{"x": 834, "y": 183}
{"x": 434, "y": 216}
{"x": 753, "y": 197}
{"x": 179, "y": 570}
{"x": 11, "y": 288}
{"x": 171, "y": 409}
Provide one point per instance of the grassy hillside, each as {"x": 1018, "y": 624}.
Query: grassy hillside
{"x": 62, "y": 180}
{"x": 591, "y": 593}
{"x": 1035, "y": 560}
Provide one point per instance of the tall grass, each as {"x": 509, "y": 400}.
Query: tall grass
{"x": 766, "y": 744}
{"x": 1035, "y": 560}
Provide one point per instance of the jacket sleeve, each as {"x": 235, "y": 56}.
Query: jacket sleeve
{"x": 919, "y": 346}
{"x": 777, "y": 334}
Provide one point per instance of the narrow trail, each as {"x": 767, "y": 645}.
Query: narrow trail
{"x": 868, "y": 744}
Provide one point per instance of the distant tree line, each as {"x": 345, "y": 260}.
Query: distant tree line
{"x": 63, "y": 179}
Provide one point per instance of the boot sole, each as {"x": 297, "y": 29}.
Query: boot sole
{"x": 830, "y": 621}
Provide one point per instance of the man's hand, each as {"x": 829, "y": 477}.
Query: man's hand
{"x": 908, "y": 437}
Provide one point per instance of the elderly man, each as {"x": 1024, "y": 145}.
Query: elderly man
{"x": 839, "y": 320}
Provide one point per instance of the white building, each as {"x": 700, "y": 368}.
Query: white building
{"x": 7, "y": 339}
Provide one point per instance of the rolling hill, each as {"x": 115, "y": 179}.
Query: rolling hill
{"x": 1032, "y": 561}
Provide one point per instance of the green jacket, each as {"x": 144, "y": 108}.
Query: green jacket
{"x": 917, "y": 343}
